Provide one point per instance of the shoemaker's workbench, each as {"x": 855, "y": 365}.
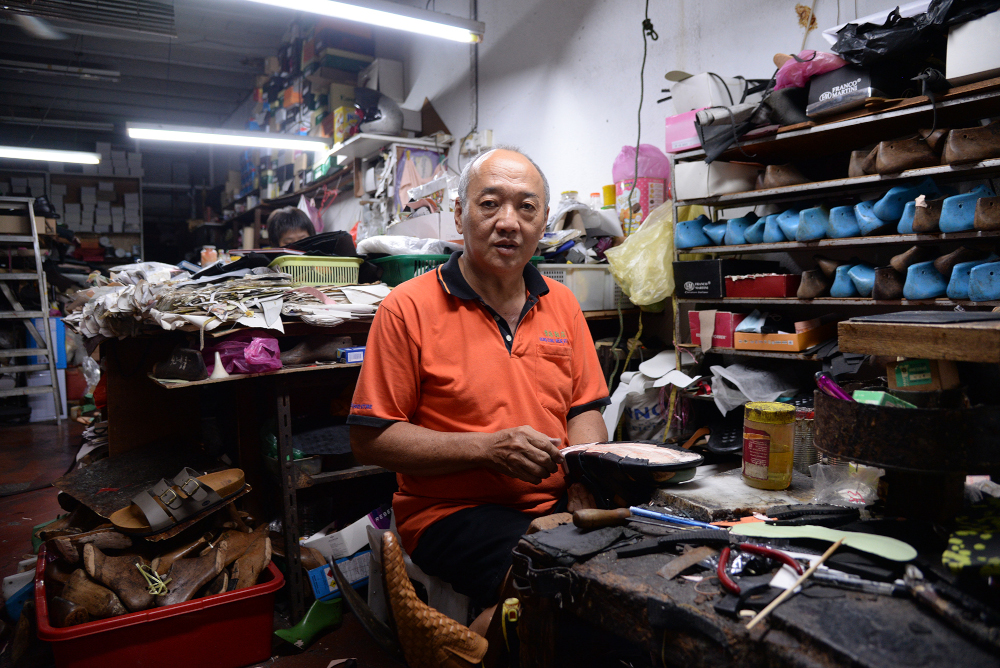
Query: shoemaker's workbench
{"x": 607, "y": 604}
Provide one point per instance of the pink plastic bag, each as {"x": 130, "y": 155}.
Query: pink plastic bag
{"x": 247, "y": 352}
{"x": 794, "y": 74}
{"x": 652, "y": 163}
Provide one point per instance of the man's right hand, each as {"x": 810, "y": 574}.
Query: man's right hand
{"x": 523, "y": 453}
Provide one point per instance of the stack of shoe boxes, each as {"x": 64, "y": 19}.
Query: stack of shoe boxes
{"x": 134, "y": 163}
{"x": 72, "y": 217}
{"x": 19, "y": 186}
{"x": 88, "y": 203}
{"x": 102, "y": 215}
{"x": 56, "y": 194}
{"x": 133, "y": 218}
{"x": 36, "y": 186}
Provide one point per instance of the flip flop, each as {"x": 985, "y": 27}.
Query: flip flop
{"x": 170, "y": 502}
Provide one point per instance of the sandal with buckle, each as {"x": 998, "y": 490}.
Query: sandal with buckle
{"x": 170, "y": 502}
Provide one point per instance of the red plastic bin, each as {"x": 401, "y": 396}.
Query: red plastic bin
{"x": 227, "y": 630}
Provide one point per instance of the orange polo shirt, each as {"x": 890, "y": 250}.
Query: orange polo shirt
{"x": 437, "y": 356}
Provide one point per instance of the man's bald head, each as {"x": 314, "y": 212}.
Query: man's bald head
{"x": 472, "y": 165}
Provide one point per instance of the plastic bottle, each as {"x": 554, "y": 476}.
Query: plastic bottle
{"x": 768, "y": 444}
{"x": 568, "y": 196}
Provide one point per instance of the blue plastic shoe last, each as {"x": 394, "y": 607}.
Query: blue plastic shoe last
{"x": 755, "y": 233}
{"x": 690, "y": 233}
{"x": 868, "y": 222}
{"x": 842, "y": 223}
{"x": 863, "y": 277}
{"x": 958, "y": 286}
{"x": 812, "y": 224}
{"x": 890, "y": 207}
{"x": 905, "y": 225}
{"x": 958, "y": 213}
{"x": 716, "y": 232}
{"x": 984, "y": 282}
{"x": 843, "y": 286}
{"x": 788, "y": 221}
{"x": 923, "y": 281}
{"x": 736, "y": 229}
{"x": 772, "y": 232}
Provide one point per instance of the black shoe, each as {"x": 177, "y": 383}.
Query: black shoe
{"x": 44, "y": 208}
{"x": 184, "y": 364}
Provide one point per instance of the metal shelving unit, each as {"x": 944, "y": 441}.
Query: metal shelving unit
{"x": 24, "y": 316}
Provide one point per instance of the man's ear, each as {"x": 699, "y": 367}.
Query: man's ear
{"x": 458, "y": 216}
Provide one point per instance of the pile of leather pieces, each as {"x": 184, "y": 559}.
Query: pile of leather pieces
{"x": 93, "y": 571}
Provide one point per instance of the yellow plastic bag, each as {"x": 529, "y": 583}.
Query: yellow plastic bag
{"x": 643, "y": 264}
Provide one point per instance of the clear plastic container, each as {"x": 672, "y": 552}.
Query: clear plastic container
{"x": 768, "y": 444}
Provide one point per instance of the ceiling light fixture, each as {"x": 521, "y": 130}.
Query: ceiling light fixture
{"x": 390, "y": 15}
{"x": 59, "y": 70}
{"x": 49, "y": 155}
{"x": 223, "y": 137}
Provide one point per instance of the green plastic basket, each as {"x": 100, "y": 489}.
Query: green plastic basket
{"x": 399, "y": 268}
{"x": 315, "y": 270}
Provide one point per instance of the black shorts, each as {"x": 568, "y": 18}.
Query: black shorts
{"x": 471, "y": 549}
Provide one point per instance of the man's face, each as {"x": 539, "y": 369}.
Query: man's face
{"x": 506, "y": 215}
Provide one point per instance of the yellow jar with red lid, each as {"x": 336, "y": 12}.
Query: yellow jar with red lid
{"x": 768, "y": 444}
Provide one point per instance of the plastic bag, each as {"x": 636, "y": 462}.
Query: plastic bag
{"x": 652, "y": 163}
{"x": 845, "y": 485}
{"x": 642, "y": 264}
{"x": 306, "y": 207}
{"x": 247, "y": 352}
{"x": 91, "y": 373}
{"x": 797, "y": 72}
{"x": 400, "y": 245}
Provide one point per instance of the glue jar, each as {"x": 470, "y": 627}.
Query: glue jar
{"x": 768, "y": 444}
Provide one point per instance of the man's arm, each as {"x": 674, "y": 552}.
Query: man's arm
{"x": 587, "y": 427}
{"x": 520, "y": 452}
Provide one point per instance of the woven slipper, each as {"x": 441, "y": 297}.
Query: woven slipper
{"x": 170, "y": 502}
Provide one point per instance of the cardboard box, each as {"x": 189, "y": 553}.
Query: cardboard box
{"x": 725, "y": 328}
{"x": 699, "y": 179}
{"x": 848, "y": 87}
{"x": 763, "y": 286}
{"x": 973, "y": 50}
{"x": 783, "y": 342}
{"x": 345, "y": 124}
{"x": 385, "y": 76}
{"x": 22, "y": 225}
{"x": 706, "y": 278}
{"x": 879, "y": 398}
{"x": 922, "y": 375}
{"x": 354, "y": 568}
{"x": 354, "y": 355}
{"x": 681, "y": 134}
{"x": 340, "y": 95}
{"x": 350, "y": 539}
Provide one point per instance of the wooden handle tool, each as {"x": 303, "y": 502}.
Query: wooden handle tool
{"x": 592, "y": 518}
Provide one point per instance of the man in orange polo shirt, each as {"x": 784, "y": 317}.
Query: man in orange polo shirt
{"x": 475, "y": 376}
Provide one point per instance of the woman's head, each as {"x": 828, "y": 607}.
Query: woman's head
{"x": 288, "y": 225}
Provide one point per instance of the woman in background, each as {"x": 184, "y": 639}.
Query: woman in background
{"x": 288, "y": 225}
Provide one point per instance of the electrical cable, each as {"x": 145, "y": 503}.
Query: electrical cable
{"x": 648, "y": 32}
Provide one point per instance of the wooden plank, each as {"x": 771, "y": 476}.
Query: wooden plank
{"x": 959, "y": 342}
{"x": 171, "y": 384}
{"x": 359, "y": 178}
{"x": 345, "y": 474}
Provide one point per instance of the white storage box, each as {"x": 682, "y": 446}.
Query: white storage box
{"x": 594, "y": 286}
{"x": 974, "y": 50}
{"x": 700, "y": 179}
{"x": 42, "y": 405}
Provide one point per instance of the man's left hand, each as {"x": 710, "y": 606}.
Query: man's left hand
{"x": 580, "y": 498}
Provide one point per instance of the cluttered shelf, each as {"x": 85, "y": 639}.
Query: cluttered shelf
{"x": 171, "y": 384}
{"x": 763, "y": 353}
{"x": 883, "y": 240}
{"x": 346, "y": 173}
{"x": 849, "y": 301}
{"x": 846, "y": 186}
{"x": 363, "y": 145}
{"x": 961, "y": 104}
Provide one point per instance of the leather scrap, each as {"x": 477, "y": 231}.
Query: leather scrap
{"x": 568, "y": 544}
{"x": 677, "y": 566}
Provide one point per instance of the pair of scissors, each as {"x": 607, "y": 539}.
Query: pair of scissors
{"x": 729, "y": 584}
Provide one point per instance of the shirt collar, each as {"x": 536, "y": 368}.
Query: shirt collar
{"x": 451, "y": 279}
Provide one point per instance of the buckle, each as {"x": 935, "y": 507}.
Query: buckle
{"x": 191, "y": 481}
{"x": 173, "y": 497}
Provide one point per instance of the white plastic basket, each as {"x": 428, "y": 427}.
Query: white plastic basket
{"x": 594, "y": 286}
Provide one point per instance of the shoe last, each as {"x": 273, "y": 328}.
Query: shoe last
{"x": 987, "y": 214}
{"x": 905, "y": 225}
{"x": 812, "y": 224}
{"x": 888, "y": 284}
{"x": 843, "y": 286}
{"x": 890, "y": 207}
{"x": 736, "y": 229}
{"x": 868, "y": 222}
{"x": 863, "y": 277}
{"x": 984, "y": 282}
{"x": 690, "y": 233}
{"x": 958, "y": 213}
{"x": 923, "y": 281}
{"x": 788, "y": 221}
{"x": 842, "y": 223}
{"x": 755, "y": 233}
{"x": 958, "y": 286}
{"x": 716, "y": 232}
{"x": 772, "y": 232}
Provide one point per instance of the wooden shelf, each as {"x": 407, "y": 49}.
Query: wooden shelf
{"x": 604, "y": 315}
{"x": 764, "y": 353}
{"x": 833, "y": 301}
{"x": 345, "y": 474}
{"x": 880, "y": 240}
{"x": 174, "y": 384}
{"x": 848, "y": 186}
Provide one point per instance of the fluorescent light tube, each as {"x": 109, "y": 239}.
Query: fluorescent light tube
{"x": 226, "y": 137}
{"x": 49, "y": 155}
{"x": 390, "y": 15}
